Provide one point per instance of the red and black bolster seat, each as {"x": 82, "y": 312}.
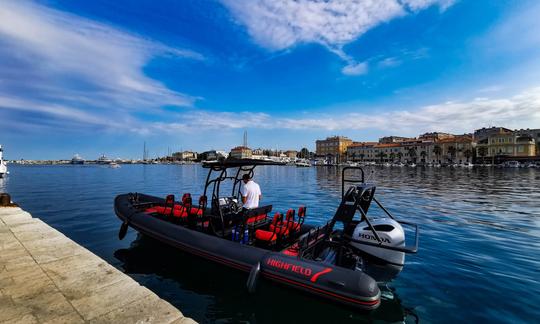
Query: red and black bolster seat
{"x": 291, "y": 224}
{"x": 178, "y": 210}
{"x": 272, "y": 235}
{"x": 289, "y": 220}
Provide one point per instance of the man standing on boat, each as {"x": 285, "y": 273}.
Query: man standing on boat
{"x": 251, "y": 193}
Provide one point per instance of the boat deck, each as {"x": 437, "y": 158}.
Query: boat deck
{"x": 45, "y": 277}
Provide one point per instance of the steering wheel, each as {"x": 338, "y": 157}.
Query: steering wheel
{"x": 233, "y": 206}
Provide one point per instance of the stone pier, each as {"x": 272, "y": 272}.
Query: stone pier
{"x": 47, "y": 278}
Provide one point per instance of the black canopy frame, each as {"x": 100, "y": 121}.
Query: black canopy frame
{"x": 223, "y": 168}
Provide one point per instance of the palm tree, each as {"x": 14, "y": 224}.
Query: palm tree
{"x": 392, "y": 156}
{"x": 381, "y": 155}
{"x": 412, "y": 154}
{"x": 399, "y": 156}
{"x": 437, "y": 150}
{"x": 362, "y": 156}
{"x": 467, "y": 153}
{"x": 353, "y": 156}
{"x": 423, "y": 155}
{"x": 482, "y": 151}
{"x": 304, "y": 153}
{"x": 452, "y": 152}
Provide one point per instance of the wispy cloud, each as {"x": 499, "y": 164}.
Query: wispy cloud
{"x": 281, "y": 24}
{"x": 518, "y": 111}
{"x": 73, "y": 68}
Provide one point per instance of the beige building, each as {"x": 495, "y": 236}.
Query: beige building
{"x": 334, "y": 146}
{"x": 185, "y": 156}
{"x": 457, "y": 149}
{"x": 291, "y": 154}
{"x": 507, "y": 143}
{"x": 241, "y": 152}
{"x": 449, "y": 149}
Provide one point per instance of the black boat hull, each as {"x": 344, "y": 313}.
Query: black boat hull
{"x": 352, "y": 288}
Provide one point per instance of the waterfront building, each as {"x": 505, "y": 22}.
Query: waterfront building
{"x": 241, "y": 152}
{"x": 185, "y": 156}
{"x": 534, "y": 134}
{"x": 435, "y": 136}
{"x": 394, "y": 139}
{"x": 334, "y": 147}
{"x": 213, "y": 155}
{"x": 456, "y": 149}
{"x": 483, "y": 133}
{"x": 291, "y": 154}
{"x": 504, "y": 144}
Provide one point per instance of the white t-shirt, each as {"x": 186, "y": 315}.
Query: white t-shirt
{"x": 251, "y": 191}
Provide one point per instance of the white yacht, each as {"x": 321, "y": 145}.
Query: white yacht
{"x": 77, "y": 159}
{"x": 103, "y": 160}
{"x": 3, "y": 164}
{"x": 303, "y": 163}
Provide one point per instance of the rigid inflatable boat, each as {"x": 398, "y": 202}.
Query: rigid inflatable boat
{"x": 342, "y": 260}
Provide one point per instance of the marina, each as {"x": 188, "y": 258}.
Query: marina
{"x": 391, "y": 173}
{"x": 464, "y": 246}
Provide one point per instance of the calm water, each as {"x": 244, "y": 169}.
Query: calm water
{"x": 479, "y": 257}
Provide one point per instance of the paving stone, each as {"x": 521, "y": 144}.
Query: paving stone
{"x": 109, "y": 298}
{"x": 150, "y": 309}
{"x": 89, "y": 275}
{"x": 47, "y": 278}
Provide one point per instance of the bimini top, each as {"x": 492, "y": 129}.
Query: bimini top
{"x": 235, "y": 163}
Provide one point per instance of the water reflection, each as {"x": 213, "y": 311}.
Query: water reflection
{"x": 214, "y": 293}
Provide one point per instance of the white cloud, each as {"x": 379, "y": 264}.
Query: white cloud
{"x": 519, "y": 111}
{"x": 56, "y": 57}
{"x": 282, "y": 24}
{"x": 355, "y": 68}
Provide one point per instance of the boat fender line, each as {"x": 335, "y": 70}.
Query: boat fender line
{"x": 253, "y": 276}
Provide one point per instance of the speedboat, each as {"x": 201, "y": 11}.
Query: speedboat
{"x": 302, "y": 164}
{"x": 114, "y": 165}
{"x": 3, "y": 164}
{"x": 342, "y": 260}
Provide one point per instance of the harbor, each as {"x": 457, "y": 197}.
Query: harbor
{"x": 459, "y": 237}
{"x": 261, "y": 161}
{"x": 45, "y": 277}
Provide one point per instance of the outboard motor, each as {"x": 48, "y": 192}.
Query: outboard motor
{"x": 390, "y": 232}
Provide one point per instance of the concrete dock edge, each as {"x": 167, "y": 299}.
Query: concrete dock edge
{"x": 47, "y": 278}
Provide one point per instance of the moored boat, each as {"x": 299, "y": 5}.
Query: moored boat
{"x": 3, "y": 164}
{"x": 341, "y": 260}
{"x": 103, "y": 160}
{"x": 77, "y": 159}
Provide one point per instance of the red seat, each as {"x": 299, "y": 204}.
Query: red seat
{"x": 272, "y": 235}
{"x": 179, "y": 210}
{"x": 256, "y": 219}
{"x": 288, "y": 223}
{"x": 266, "y": 236}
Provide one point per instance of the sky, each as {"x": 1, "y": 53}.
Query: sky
{"x": 93, "y": 77}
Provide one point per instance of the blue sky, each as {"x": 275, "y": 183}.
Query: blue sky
{"x": 94, "y": 77}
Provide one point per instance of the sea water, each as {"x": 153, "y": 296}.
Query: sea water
{"x": 479, "y": 256}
